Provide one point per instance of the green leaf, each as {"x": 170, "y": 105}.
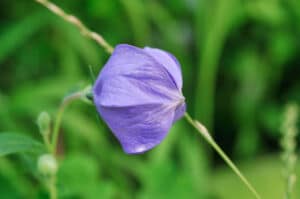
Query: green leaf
{"x": 16, "y": 143}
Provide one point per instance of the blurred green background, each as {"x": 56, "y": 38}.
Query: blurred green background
{"x": 241, "y": 65}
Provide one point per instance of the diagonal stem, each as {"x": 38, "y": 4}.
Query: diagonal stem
{"x": 204, "y": 132}
{"x": 78, "y": 24}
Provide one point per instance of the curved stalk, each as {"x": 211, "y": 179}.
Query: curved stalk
{"x": 67, "y": 100}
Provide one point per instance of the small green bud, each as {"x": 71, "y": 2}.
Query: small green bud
{"x": 43, "y": 122}
{"x": 47, "y": 165}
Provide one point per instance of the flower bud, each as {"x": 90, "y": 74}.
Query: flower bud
{"x": 43, "y": 122}
{"x": 47, "y": 165}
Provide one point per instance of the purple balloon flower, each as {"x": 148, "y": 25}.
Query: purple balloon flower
{"x": 138, "y": 94}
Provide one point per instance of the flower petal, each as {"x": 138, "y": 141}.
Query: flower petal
{"x": 132, "y": 77}
{"x": 169, "y": 62}
{"x": 179, "y": 112}
{"x": 138, "y": 128}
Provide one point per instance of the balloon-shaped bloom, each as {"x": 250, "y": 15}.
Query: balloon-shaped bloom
{"x": 138, "y": 94}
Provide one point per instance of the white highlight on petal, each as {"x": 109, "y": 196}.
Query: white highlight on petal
{"x": 140, "y": 149}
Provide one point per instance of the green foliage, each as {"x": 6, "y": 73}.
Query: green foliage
{"x": 18, "y": 33}
{"x": 79, "y": 177}
{"x": 17, "y": 143}
{"x": 240, "y": 65}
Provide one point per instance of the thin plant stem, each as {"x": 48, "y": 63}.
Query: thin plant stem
{"x": 204, "y": 132}
{"x": 47, "y": 142}
{"x": 78, "y": 24}
{"x": 67, "y": 100}
{"x": 53, "y": 145}
{"x": 52, "y": 187}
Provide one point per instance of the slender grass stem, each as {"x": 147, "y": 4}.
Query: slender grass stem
{"x": 67, "y": 100}
{"x": 204, "y": 132}
{"x": 52, "y": 187}
{"x": 78, "y": 24}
